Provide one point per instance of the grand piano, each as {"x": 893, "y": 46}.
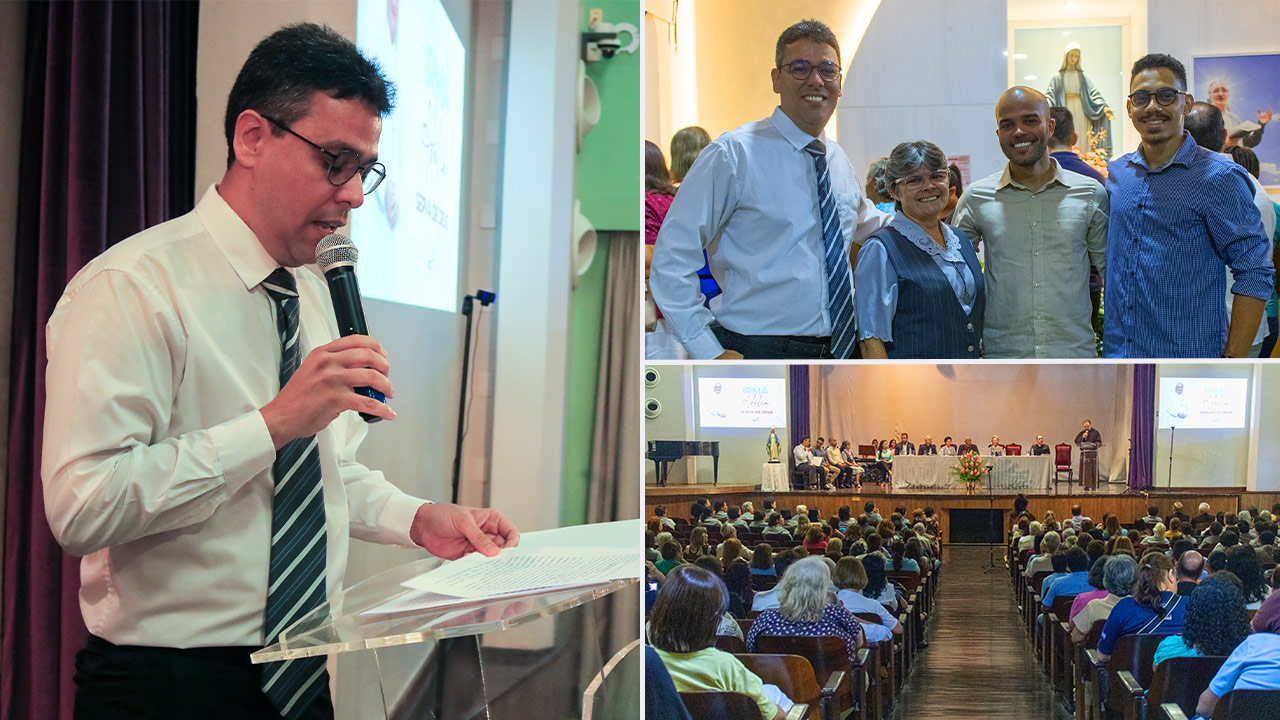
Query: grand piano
{"x": 665, "y": 452}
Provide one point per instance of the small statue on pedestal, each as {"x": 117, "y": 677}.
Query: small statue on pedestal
{"x": 773, "y": 446}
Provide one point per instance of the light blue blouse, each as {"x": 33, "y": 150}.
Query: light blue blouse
{"x": 876, "y": 285}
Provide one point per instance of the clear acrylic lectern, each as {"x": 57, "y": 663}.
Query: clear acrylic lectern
{"x": 542, "y": 654}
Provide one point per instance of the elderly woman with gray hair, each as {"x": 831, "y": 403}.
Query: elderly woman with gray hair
{"x": 917, "y": 281}
{"x": 807, "y": 607}
{"x": 1117, "y": 580}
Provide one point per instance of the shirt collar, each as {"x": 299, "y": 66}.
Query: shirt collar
{"x": 240, "y": 245}
{"x": 1183, "y": 157}
{"x": 791, "y": 132}
{"x": 1006, "y": 178}
{"x": 921, "y": 239}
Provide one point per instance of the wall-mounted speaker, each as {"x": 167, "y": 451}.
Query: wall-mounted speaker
{"x": 652, "y": 408}
{"x": 651, "y": 377}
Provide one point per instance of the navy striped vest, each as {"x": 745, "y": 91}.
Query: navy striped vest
{"x": 930, "y": 322}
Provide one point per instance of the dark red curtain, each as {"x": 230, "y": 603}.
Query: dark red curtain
{"x": 108, "y": 149}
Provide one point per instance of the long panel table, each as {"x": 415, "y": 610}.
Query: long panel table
{"x": 1028, "y": 473}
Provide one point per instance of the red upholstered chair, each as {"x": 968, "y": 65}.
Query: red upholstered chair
{"x": 1062, "y": 462}
{"x": 1014, "y": 449}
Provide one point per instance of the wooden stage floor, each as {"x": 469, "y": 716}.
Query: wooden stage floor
{"x": 1110, "y": 497}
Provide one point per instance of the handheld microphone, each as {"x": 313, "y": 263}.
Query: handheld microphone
{"x": 336, "y": 256}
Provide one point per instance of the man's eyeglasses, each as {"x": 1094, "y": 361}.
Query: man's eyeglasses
{"x": 915, "y": 182}
{"x": 802, "y": 69}
{"x": 1164, "y": 97}
{"x": 342, "y": 165}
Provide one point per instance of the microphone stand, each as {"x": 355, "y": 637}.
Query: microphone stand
{"x": 991, "y": 523}
{"x": 1172, "y": 430}
{"x": 485, "y": 297}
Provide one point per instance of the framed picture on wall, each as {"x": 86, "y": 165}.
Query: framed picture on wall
{"x": 1079, "y": 68}
{"x": 1246, "y": 88}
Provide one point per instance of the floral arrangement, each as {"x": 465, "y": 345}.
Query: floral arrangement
{"x": 1094, "y": 158}
{"x": 970, "y": 469}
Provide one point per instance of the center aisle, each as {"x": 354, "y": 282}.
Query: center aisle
{"x": 978, "y": 664}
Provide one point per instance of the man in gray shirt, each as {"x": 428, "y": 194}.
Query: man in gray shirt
{"x": 1040, "y": 226}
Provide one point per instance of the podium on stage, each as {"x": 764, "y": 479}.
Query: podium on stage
{"x": 471, "y": 664}
{"x": 1089, "y": 465}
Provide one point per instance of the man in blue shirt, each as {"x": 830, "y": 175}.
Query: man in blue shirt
{"x": 1178, "y": 212}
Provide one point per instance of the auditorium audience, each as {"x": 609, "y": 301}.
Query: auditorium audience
{"x": 878, "y": 586}
{"x": 1117, "y": 578}
{"x": 1243, "y": 563}
{"x": 850, "y": 578}
{"x": 807, "y": 607}
{"x": 762, "y": 560}
{"x": 1095, "y": 581}
{"x": 920, "y": 287}
{"x": 1254, "y": 664}
{"x": 1215, "y": 623}
{"x": 1153, "y": 608}
{"x": 775, "y": 527}
{"x": 686, "y": 616}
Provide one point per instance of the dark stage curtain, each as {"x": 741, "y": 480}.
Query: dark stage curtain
{"x": 108, "y": 149}
{"x": 1143, "y": 428}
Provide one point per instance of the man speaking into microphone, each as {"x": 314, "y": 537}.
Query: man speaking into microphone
{"x": 202, "y": 420}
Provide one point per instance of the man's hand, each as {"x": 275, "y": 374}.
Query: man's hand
{"x": 1246, "y": 316}
{"x": 1264, "y": 117}
{"x": 730, "y": 355}
{"x": 450, "y": 531}
{"x": 324, "y": 385}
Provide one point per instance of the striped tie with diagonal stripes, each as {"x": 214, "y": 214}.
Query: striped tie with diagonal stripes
{"x": 839, "y": 274}
{"x": 298, "y": 546}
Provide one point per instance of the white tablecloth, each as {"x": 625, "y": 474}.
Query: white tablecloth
{"x": 1022, "y": 473}
{"x": 773, "y": 477}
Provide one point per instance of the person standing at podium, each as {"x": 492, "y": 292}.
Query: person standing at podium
{"x": 1088, "y": 440}
{"x": 199, "y": 449}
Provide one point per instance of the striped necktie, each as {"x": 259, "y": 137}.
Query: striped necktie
{"x": 298, "y": 546}
{"x": 839, "y": 275}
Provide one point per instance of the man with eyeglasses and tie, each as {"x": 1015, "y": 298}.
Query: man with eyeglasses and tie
{"x": 779, "y": 209}
{"x": 1179, "y": 213}
{"x": 199, "y": 452}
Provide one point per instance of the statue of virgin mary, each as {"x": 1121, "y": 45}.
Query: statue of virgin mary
{"x": 1072, "y": 89}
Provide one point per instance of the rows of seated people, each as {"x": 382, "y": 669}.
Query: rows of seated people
{"x": 725, "y": 603}
{"x": 1160, "y": 617}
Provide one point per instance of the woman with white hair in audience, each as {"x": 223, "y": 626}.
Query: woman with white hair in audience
{"x": 807, "y": 607}
{"x": 1117, "y": 579}
{"x": 1157, "y": 536}
{"x": 686, "y": 615}
{"x": 1028, "y": 541}
{"x": 1048, "y": 546}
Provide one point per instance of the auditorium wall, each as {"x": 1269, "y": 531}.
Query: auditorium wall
{"x": 928, "y": 70}
{"x": 714, "y": 69}
{"x": 1266, "y": 426}
{"x": 1016, "y": 402}
{"x": 742, "y": 451}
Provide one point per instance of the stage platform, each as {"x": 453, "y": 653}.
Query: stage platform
{"x": 1110, "y": 497}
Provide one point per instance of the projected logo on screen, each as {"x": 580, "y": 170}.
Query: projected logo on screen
{"x": 742, "y": 402}
{"x": 407, "y": 230}
{"x": 1189, "y": 403}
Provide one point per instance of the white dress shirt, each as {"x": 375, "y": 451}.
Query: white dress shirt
{"x": 157, "y": 462}
{"x": 750, "y": 200}
{"x": 1036, "y": 267}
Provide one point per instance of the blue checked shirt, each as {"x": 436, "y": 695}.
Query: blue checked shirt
{"x": 1171, "y": 231}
